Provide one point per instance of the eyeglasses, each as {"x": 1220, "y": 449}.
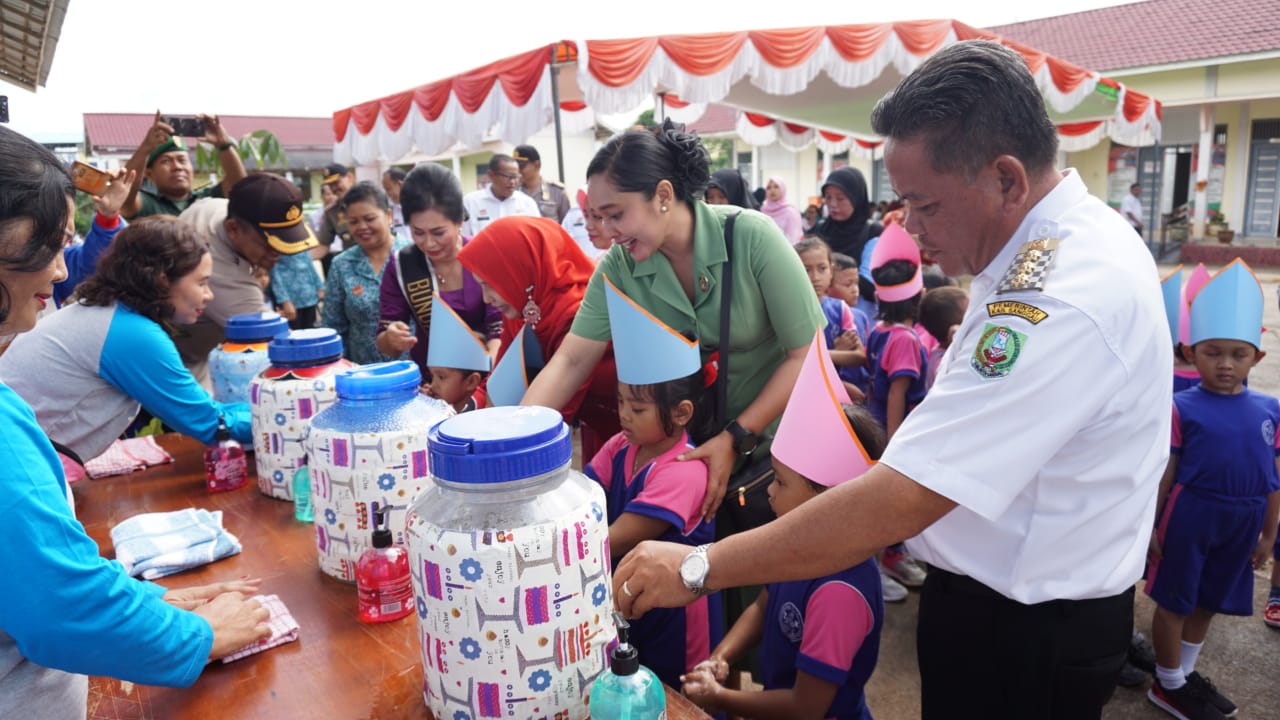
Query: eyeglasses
{"x": 508, "y": 177}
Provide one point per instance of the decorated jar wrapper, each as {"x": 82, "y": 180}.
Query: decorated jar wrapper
{"x": 367, "y": 451}
{"x": 509, "y": 553}
{"x": 235, "y": 362}
{"x": 298, "y": 385}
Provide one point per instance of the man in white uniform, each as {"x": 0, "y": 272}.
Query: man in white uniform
{"x": 498, "y": 200}
{"x": 1131, "y": 207}
{"x": 1027, "y": 477}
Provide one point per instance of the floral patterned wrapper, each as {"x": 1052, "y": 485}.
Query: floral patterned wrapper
{"x": 513, "y": 622}
{"x": 283, "y": 401}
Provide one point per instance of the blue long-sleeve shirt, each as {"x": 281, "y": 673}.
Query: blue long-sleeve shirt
{"x": 82, "y": 259}
{"x": 65, "y": 609}
{"x": 86, "y": 370}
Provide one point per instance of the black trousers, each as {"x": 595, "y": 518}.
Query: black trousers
{"x": 983, "y": 655}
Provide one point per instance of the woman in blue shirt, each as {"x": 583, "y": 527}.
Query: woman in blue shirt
{"x": 69, "y": 612}
{"x": 88, "y": 368}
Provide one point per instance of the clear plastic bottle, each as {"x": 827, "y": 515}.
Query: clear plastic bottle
{"x": 243, "y": 354}
{"x": 302, "y": 495}
{"x": 629, "y": 690}
{"x": 382, "y": 576}
{"x": 225, "y": 466}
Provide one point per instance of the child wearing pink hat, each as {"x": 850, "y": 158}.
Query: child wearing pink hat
{"x": 895, "y": 353}
{"x": 819, "y": 639}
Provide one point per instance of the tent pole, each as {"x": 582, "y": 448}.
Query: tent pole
{"x": 555, "y": 100}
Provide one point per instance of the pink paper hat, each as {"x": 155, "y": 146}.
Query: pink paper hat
{"x": 582, "y": 198}
{"x": 896, "y": 244}
{"x": 1198, "y": 278}
{"x": 814, "y": 437}
{"x": 1171, "y": 289}
{"x": 1229, "y": 307}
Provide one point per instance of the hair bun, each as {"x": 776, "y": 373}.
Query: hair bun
{"x": 691, "y": 161}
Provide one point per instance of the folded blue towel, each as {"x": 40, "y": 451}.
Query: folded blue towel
{"x": 153, "y": 545}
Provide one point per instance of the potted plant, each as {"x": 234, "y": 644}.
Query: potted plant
{"x": 1219, "y": 228}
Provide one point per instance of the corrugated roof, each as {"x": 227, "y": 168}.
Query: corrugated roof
{"x": 29, "y": 31}
{"x": 715, "y": 119}
{"x": 126, "y": 130}
{"x": 1156, "y": 32}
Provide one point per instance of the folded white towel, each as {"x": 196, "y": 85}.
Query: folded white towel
{"x": 153, "y": 545}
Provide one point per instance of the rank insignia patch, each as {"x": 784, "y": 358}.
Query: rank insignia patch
{"x": 997, "y": 351}
{"x": 1030, "y": 267}
{"x": 1030, "y": 313}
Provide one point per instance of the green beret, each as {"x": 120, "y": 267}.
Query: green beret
{"x": 173, "y": 143}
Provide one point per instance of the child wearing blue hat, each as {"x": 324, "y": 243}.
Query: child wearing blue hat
{"x": 652, "y": 495}
{"x": 457, "y": 358}
{"x": 1220, "y": 495}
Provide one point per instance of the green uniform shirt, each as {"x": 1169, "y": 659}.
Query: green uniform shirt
{"x": 774, "y": 307}
{"x": 154, "y": 203}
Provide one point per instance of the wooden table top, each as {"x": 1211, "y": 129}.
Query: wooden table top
{"x": 338, "y": 668}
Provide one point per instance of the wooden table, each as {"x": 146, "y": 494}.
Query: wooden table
{"x": 338, "y": 668}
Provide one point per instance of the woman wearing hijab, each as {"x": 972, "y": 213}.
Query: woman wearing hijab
{"x": 784, "y": 214}
{"x": 534, "y": 273}
{"x": 728, "y": 187}
{"x": 848, "y": 228}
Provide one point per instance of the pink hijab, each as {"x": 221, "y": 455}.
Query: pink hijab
{"x": 784, "y": 214}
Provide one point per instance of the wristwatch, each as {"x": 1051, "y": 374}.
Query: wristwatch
{"x": 694, "y": 569}
{"x": 744, "y": 441}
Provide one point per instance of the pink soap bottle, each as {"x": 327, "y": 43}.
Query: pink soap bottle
{"x": 382, "y": 576}
{"x": 225, "y": 467}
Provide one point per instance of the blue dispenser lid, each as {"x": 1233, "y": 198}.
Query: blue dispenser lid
{"x": 305, "y": 347}
{"x": 499, "y": 444}
{"x": 379, "y": 381}
{"x": 255, "y": 326}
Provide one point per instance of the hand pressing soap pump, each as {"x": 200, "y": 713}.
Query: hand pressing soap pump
{"x": 627, "y": 690}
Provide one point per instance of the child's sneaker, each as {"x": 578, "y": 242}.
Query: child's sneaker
{"x": 903, "y": 568}
{"x": 1189, "y": 702}
{"x": 891, "y": 589}
{"x": 1141, "y": 654}
{"x": 1216, "y": 698}
{"x": 1271, "y": 615}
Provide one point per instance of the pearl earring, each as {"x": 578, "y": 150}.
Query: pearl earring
{"x": 664, "y": 208}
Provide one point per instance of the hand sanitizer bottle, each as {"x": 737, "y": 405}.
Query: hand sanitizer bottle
{"x": 382, "y": 576}
{"x": 627, "y": 690}
{"x": 225, "y": 466}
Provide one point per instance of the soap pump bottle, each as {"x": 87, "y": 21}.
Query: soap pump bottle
{"x": 225, "y": 467}
{"x": 382, "y": 576}
{"x": 627, "y": 690}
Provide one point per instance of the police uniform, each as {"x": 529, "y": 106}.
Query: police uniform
{"x": 552, "y": 200}
{"x": 1048, "y": 424}
{"x": 483, "y": 207}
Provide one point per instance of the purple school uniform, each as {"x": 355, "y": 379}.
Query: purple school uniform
{"x": 828, "y": 628}
{"x": 840, "y": 319}
{"x": 1185, "y": 380}
{"x": 894, "y": 351}
{"x": 1227, "y": 448}
{"x": 670, "y": 641}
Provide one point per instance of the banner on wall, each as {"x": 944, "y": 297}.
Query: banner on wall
{"x": 1122, "y": 172}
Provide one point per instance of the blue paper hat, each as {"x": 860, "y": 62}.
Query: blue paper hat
{"x": 646, "y": 349}
{"x": 1171, "y": 288}
{"x": 510, "y": 377}
{"x": 452, "y": 344}
{"x": 1229, "y": 307}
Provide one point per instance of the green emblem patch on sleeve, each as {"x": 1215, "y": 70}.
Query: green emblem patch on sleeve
{"x": 997, "y": 351}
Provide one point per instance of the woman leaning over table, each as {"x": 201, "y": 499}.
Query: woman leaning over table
{"x": 88, "y": 368}
{"x": 66, "y": 612}
{"x": 535, "y": 274}
{"x": 645, "y": 185}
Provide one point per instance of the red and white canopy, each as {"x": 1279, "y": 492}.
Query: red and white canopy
{"x": 801, "y": 85}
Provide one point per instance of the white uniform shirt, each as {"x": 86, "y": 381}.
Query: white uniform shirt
{"x": 482, "y": 208}
{"x": 1051, "y": 436}
{"x": 1131, "y": 205}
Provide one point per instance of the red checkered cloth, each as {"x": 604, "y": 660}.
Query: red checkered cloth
{"x": 284, "y": 629}
{"x": 126, "y": 456}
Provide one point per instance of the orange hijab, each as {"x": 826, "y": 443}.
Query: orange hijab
{"x": 513, "y": 254}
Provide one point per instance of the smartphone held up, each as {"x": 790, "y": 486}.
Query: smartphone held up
{"x": 186, "y": 125}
